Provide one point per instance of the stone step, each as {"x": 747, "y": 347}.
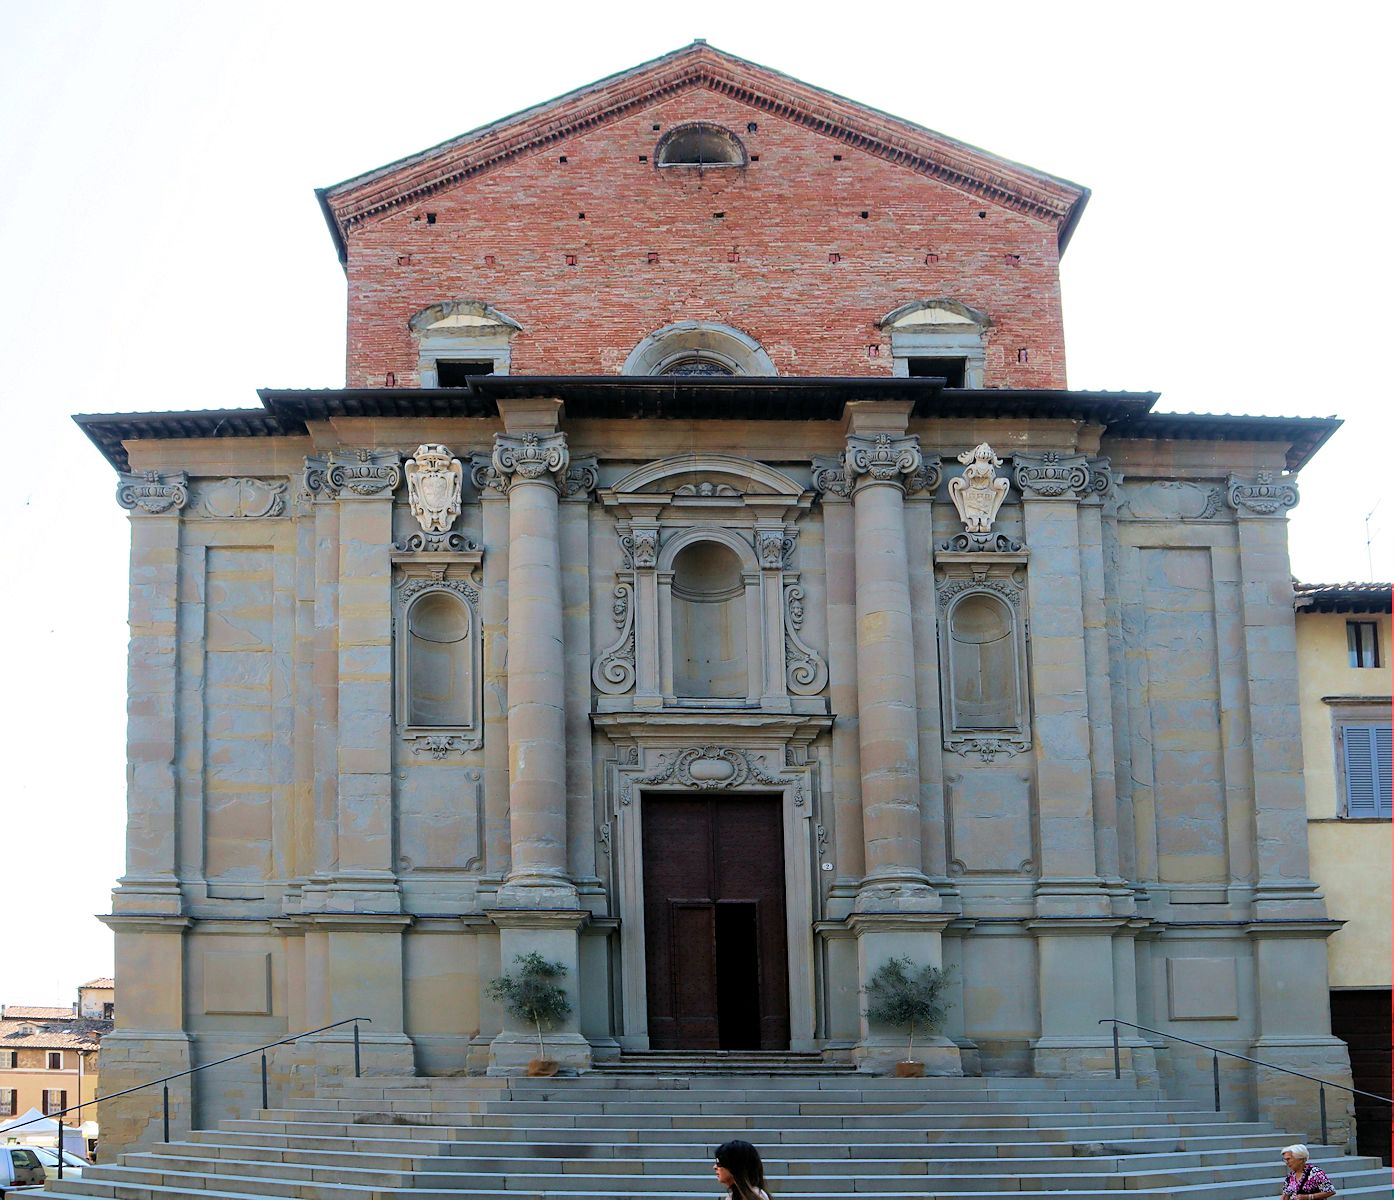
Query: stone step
{"x": 616, "y": 1160}
{"x": 678, "y": 1105}
{"x": 122, "y": 1184}
{"x": 1238, "y": 1147}
{"x": 593, "y": 1081}
{"x": 716, "y": 1119}
{"x": 296, "y": 1129}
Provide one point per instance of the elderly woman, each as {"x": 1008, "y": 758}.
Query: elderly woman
{"x": 1304, "y": 1180}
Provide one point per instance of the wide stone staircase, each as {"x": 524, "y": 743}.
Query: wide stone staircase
{"x": 647, "y": 1127}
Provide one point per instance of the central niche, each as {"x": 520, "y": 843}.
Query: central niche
{"x": 710, "y": 660}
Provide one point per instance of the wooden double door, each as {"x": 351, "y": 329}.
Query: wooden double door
{"x": 715, "y": 937}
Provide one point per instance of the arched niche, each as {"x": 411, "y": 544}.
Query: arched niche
{"x": 698, "y": 347}
{"x": 439, "y": 660}
{"x": 982, "y": 644}
{"x": 711, "y": 650}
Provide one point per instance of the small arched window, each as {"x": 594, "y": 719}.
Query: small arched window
{"x": 439, "y": 691}
{"x": 700, "y": 144}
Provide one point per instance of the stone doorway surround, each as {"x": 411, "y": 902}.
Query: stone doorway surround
{"x": 713, "y": 753}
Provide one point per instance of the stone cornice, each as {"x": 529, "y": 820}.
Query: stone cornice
{"x": 1053, "y": 201}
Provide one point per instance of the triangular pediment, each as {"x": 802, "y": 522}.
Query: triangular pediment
{"x": 1056, "y": 202}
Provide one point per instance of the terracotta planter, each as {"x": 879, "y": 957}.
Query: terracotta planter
{"x": 909, "y": 1070}
{"x": 542, "y": 1066}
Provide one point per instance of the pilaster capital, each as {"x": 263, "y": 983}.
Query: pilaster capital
{"x": 881, "y": 459}
{"x": 348, "y": 474}
{"x": 1056, "y": 476}
{"x": 830, "y": 477}
{"x": 531, "y": 458}
{"x": 582, "y": 478}
{"x": 1268, "y": 496}
{"x": 151, "y": 494}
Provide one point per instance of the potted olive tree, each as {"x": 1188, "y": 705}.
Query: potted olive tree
{"x": 909, "y": 997}
{"x": 531, "y": 993}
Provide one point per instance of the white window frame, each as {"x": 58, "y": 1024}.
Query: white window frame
{"x": 461, "y": 331}
{"x": 915, "y": 334}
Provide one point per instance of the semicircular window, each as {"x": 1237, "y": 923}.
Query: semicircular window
{"x": 700, "y": 144}
{"x": 697, "y": 366}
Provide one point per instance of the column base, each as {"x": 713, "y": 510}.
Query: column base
{"x": 511, "y": 1052}
{"x": 1293, "y": 1104}
{"x": 1080, "y": 1054}
{"x": 131, "y": 1057}
{"x": 880, "y": 1054}
{"x": 538, "y": 893}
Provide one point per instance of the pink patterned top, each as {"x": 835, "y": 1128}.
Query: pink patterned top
{"x": 1312, "y": 1180}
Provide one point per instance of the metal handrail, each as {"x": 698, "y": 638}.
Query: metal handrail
{"x": 166, "y": 1080}
{"x": 1216, "y": 1051}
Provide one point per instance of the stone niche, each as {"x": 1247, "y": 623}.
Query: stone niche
{"x": 708, "y": 606}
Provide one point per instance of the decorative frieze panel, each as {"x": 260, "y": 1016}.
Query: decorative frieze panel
{"x": 709, "y": 768}
{"x": 241, "y": 498}
{"x": 152, "y": 494}
{"x": 346, "y": 474}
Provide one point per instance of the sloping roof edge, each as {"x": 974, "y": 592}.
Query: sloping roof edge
{"x": 970, "y": 168}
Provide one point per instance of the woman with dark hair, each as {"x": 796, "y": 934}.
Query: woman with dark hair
{"x": 739, "y": 1169}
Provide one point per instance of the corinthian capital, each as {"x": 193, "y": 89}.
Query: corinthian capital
{"x": 152, "y": 494}
{"x": 531, "y": 458}
{"x": 882, "y": 459}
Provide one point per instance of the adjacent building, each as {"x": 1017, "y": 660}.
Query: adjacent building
{"x": 49, "y": 1055}
{"x": 707, "y": 580}
{"x": 1343, "y": 645}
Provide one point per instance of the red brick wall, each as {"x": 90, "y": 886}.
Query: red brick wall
{"x": 784, "y": 216}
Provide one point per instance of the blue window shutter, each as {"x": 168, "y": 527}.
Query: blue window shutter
{"x": 1384, "y": 772}
{"x": 1362, "y": 773}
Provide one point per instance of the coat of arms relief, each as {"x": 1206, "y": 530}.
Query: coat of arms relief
{"x": 434, "y": 478}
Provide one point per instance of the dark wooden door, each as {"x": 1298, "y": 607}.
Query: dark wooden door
{"x": 1362, "y": 1020}
{"x": 714, "y": 932}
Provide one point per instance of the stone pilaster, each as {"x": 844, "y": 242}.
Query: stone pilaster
{"x": 151, "y": 883}
{"x": 365, "y": 481}
{"x": 1074, "y": 926}
{"x": 849, "y": 849}
{"x": 1290, "y": 925}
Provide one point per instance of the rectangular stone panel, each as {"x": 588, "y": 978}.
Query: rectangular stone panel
{"x": 440, "y": 814}
{"x": 237, "y": 983}
{"x": 238, "y": 735}
{"x": 990, "y": 822}
{"x": 1202, "y": 989}
{"x": 1183, "y": 700}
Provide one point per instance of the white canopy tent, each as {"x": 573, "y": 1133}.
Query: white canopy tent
{"x": 34, "y": 1129}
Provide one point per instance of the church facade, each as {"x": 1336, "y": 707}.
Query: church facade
{"x": 707, "y": 581}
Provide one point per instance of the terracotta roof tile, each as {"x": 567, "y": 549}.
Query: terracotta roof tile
{"x": 37, "y": 1012}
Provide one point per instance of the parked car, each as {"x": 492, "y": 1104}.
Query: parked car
{"x": 21, "y": 1170}
{"x": 72, "y": 1164}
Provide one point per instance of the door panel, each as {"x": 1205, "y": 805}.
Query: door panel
{"x": 714, "y": 920}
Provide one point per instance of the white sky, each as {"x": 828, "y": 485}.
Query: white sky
{"x": 161, "y": 248}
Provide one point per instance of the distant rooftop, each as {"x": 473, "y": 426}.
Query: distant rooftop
{"x": 104, "y": 982}
{"x": 36, "y": 1012}
{"x": 1343, "y": 597}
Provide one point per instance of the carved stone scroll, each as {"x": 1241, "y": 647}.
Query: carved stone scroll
{"x": 613, "y": 672}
